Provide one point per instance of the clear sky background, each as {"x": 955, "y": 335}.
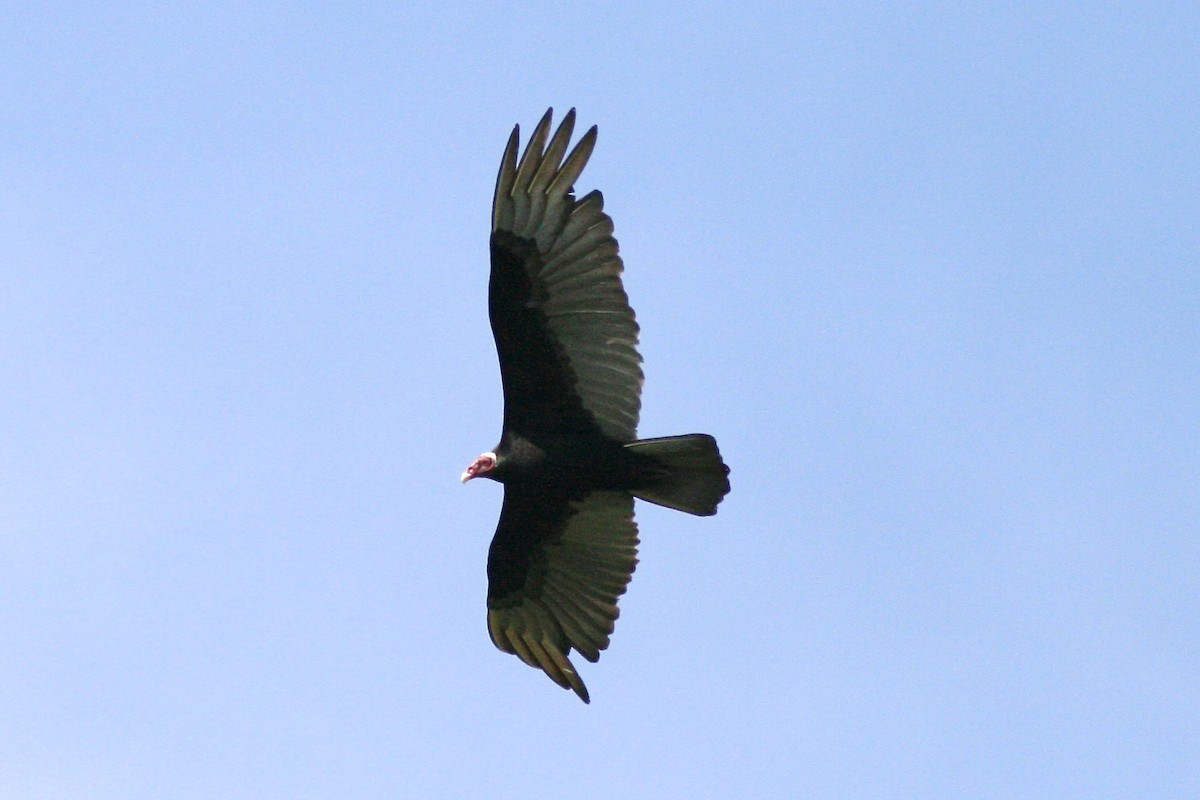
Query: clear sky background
{"x": 930, "y": 273}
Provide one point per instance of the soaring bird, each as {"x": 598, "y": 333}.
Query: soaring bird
{"x": 569, "y": 457}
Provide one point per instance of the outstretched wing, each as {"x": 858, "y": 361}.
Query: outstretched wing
{"x": 565, "y": 334}
{"x": 555, "y": 570}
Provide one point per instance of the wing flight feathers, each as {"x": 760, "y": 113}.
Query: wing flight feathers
{"x": 504, "y": 182}
{"x": 555, "y": 577}
{"x": 570, "y": 280}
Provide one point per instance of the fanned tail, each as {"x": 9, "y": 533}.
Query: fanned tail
{"x": 693, "y": 478}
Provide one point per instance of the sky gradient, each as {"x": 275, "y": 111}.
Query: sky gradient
{"x": 929, "y": 273}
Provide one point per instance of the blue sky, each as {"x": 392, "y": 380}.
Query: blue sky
{"x": 929, "y": 273}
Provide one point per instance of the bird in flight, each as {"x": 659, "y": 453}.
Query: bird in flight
{"x": 569, "y": 457}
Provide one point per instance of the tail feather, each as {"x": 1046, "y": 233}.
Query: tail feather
{"x": 692, "y": 478}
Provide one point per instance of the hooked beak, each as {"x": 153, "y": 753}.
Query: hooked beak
{"x": 480, "y": 466}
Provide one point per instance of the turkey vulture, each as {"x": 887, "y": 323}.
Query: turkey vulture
{"x": 569, "y": 456}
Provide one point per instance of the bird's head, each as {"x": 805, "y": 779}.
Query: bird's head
{"x": 480, "y": 467}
